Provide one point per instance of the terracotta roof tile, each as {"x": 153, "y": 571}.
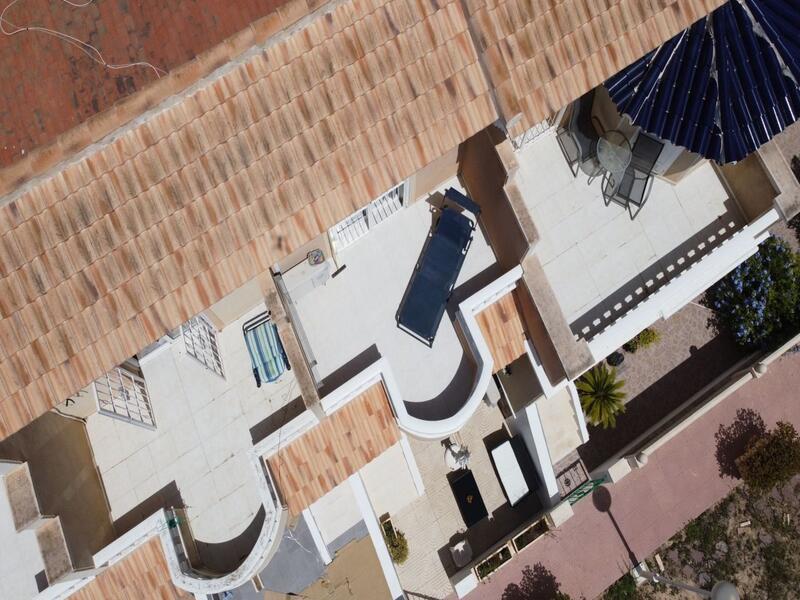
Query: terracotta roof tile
{"x": 341, "y": 444}
{"x": 141, "y": 574}
{"x": 169, "y": 214}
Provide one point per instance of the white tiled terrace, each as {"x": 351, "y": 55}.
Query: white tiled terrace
{"x": 355, "y": 311}
{"x": 202, "y": 437}
{"x": 599, "y": 261}
{"x": 430, "y": 521}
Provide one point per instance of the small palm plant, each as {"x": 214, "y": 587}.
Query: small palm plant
{"x": 601, "y": 395}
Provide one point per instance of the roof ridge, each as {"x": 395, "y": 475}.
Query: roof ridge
{"x": 47, "y": 161}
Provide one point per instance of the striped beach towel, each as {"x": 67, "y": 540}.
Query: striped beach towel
{"x": 267, "y": 355}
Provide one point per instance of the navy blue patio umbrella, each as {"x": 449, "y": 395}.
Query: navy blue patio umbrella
{"x": 722, "y": 87}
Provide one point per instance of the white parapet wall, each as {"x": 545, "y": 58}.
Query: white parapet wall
{"x": 481, "y": 355}
{"x": 376, "y": 535}
{"x": 548, "y": 389}
{"x": 577, "y": 409}
{"x": 677, "y": 293}
{"x": 159, "y": 524}
{"x": 528, "y": 426}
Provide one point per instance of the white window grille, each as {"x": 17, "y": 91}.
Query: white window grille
{"x": 122, "y": 394}
{"x": 359, "y": 223}
{"x": 521, "y": 141}
{"x": 200, "y": 340}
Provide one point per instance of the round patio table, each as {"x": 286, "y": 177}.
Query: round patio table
{"x": 614, "y": 151}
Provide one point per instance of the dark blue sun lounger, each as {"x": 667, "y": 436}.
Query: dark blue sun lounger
{"x": 435, "y": 275}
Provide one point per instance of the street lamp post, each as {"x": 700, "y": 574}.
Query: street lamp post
{"x": 722, "y": 590}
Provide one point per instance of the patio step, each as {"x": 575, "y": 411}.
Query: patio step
{"x": 26, "y": 515}
{"x": 53, "y": 546}
{"x": 21, "y": 496}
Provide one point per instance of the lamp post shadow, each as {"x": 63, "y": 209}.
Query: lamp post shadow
{"x": 601, "y": 498}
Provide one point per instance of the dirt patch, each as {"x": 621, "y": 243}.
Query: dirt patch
{"x": 354, "y": 573}
{"x": 749, "y": 539}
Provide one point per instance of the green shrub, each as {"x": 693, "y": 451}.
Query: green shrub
{"x": 771, "y": 459}
{"x": 623, "y": 589}
{"x": 397, "y": 545}
{"x": 601, "y": 395}
{"x": 758, "y": 301}
{"x": 646, "y": 337}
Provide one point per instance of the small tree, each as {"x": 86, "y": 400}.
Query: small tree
{"x": 758, "y": 300}
{"x": 771, "y": 459}
{"x": 397, "y": 545}
{"x": 601, "y": 395}
{"x": 537, "y": 583}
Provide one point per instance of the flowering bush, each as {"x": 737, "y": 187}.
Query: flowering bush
{"x": 758, "y": 300}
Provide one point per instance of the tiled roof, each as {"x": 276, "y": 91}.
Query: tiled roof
{"x": 50, "y": 87}
{"x": 180, "y": 209}
{"x": 501, "y": 326}
{"x": 542, "y": 54}
{"x": 141, "y": 574}
{"x": 319, "y": 460}
{"x": 175, "y": 210}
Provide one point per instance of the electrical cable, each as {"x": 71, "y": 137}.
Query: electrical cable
{"x": 89, "y": 50}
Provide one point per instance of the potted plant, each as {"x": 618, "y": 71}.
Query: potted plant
{"x": 615, "y": 359}
{"x": 396, "y": 542}
{"x": 646, "y": 337}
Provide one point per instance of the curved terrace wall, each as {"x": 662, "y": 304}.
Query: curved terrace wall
{"x": 476, "y": 345}
{"x": 183, "y": 575}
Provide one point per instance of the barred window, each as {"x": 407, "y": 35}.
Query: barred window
{"x": 200, "y": 340}
{"x": 123, "y": 394}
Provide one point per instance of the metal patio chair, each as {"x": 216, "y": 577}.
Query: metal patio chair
{"x": 578, "y": 137}
{"x": 632, "y": 188}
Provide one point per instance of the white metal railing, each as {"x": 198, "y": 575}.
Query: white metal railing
{"x": 521, "y": 141}
{"x": 122, "y": 394}
{"x": 359, "y": 223}
{"x": 677, "y": 292}
{"x": 200, "y": 341}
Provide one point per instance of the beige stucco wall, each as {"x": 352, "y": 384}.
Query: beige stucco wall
{"x": 485, "y": 176}
{"x": 750, "y": 186}
{"x": 434, "y": 175}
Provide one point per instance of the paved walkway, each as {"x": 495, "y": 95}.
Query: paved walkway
{"x": 680, "y": 481}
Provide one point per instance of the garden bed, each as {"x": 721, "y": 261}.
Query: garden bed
{"x": 530, "y": 535}
{"x": 658, "y": 379}
{"x": 491, "y": 564}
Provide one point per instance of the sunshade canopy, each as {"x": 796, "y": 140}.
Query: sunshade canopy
{"x": 723, "y": 87}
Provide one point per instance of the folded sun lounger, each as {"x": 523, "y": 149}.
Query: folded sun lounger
{"x": 267, "y": 356}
